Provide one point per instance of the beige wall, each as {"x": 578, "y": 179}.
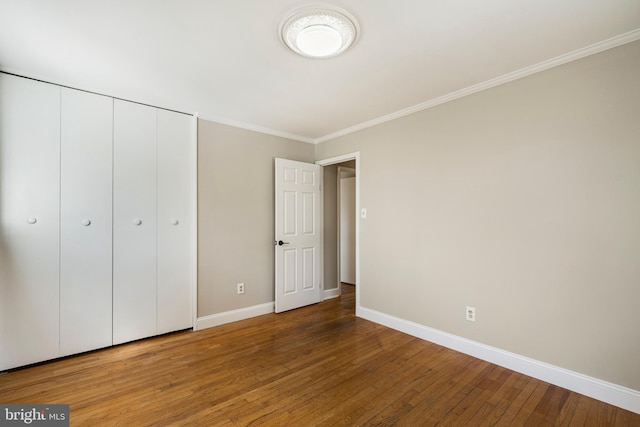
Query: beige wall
{"x": 236, "y": 214}
{"x": 523, "y": 201}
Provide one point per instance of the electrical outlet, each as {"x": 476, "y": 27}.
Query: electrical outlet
{"x": 471, "y": 314}
{"x": 240, "y": 288}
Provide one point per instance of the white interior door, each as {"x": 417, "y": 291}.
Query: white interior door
{"x": 174, "y": 221}
{"x": 85, "y": 221}
{"x": 297, "y": 234}
{"x": 134, "y": 221}
{"x": 29, "y": 221}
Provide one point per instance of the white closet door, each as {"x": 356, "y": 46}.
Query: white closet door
{"x": 174, "y": 221}
{"x": 85, "y": 221}
{"x": 29, "y": 221}
{"x": 134, "y": 226}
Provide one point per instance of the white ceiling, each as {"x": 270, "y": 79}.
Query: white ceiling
{"x": 224, "y": 60}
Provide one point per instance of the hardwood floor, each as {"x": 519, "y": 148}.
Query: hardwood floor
{"x": 318, "y": 365}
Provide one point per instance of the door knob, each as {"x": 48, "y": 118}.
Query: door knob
{"x": 32, "y": 220}
{"x": 280, "y": 243}
{"x": 137, "y": 221}
{"x": 86, "y": 222}
{"x": 175, "y": 222}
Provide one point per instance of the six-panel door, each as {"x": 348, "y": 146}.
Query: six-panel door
{"x": 297, "y": 234}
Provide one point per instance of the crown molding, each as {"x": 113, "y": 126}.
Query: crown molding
{"x": 256, "y": 128}
{"x": 616, "y": 41}
{"x": 625, "y": 38}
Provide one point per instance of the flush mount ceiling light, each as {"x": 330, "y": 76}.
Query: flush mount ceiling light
{"x": 319, "y": 31}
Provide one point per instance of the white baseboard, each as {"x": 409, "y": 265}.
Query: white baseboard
{"x": 331, "y": 293}
{"x": 233, "y": 316}
{"x": 604, "y": 391}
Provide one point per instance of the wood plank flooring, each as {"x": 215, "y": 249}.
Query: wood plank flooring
{"x": 318, "y": 365}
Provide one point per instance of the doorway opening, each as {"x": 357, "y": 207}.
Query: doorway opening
{"x": 341, "y": 251}
{"x": 346, "y": 214}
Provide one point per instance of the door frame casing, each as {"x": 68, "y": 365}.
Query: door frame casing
{"x": 332, "y": 161}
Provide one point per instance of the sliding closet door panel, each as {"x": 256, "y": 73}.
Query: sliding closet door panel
{"x": 174, "y": 221}
{"x": 134, "y": 215}
{"x": 85, "y": 221}
{"x": 29, "y": 220}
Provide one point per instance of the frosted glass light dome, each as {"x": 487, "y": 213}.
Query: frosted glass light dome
{"x": 316, "y": 32}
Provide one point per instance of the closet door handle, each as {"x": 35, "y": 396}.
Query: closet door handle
{"x": 137, "y": 221}
{"x": 86, "y": 222}
{"x": 32, "y": 220}
{"x": 175, "y": 222}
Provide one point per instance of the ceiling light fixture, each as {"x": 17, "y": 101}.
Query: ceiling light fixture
{"x": 319, "y": 31}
